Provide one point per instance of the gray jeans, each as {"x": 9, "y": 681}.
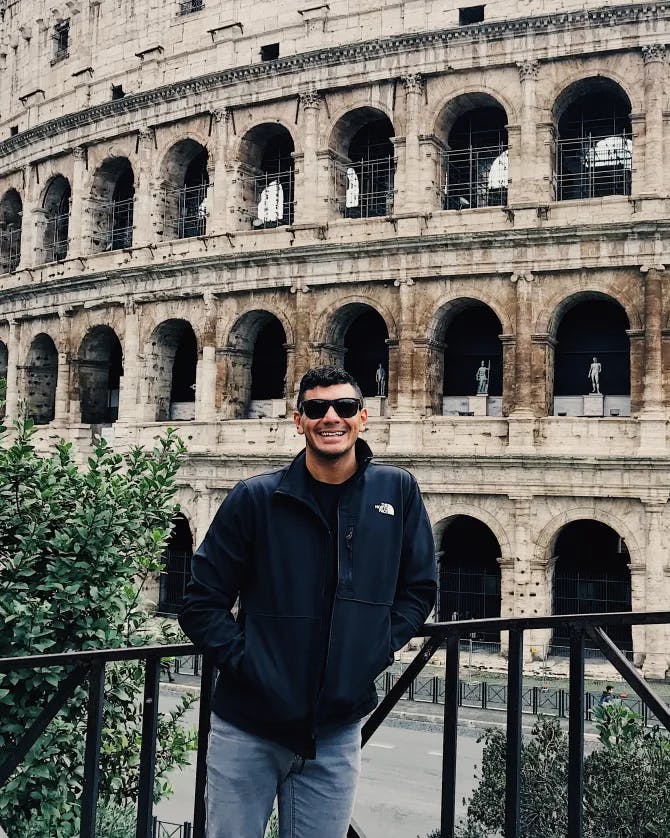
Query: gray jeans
{"x": 245, "y": 773}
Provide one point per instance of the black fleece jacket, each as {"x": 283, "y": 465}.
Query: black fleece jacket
{"x": 281, "y": 676}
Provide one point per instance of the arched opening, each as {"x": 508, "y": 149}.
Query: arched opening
{"x": 174, "y": 360}
{"x": 11, "y": 215}
{"x": 100, "y": 368}
{"x": 4, "y": 357}
{"x": 364, "y": 340}
{"x": 257, "y": 382}
{"x": 365, "y": 165}
{"x": 185, "y": 200}
{"x": 56, "y": 206}
{"x": 112, "y": 206}
{"x": 475, "y": 162}
{"x": 592, "y": 360}
{"x": 176, "y": 571}
{"x": 472, "y": 375}
{"x": 591, "y": 575}
{"x": 40, "y": 378}
{"x": 469, "y": 574}
{"x": 266, "y": 154}
{"x": 594, "y": 146}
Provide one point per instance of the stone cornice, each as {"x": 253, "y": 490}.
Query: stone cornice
{"x": 605, "y": 16}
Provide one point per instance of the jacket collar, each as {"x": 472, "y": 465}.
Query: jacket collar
{"x": 294, "y": 482}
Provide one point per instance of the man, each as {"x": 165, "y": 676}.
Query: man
{"x": 333, "y": 560}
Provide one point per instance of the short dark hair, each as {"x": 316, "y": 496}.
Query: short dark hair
{"x": 325, "y": 377}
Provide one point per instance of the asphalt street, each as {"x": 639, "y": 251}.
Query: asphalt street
{"x": 399, "y": 791}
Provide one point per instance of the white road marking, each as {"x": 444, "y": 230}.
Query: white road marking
{"x": 434, "y": 753}
{"x": 381, "y": 745}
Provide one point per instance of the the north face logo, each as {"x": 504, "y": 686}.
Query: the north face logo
{"x": 385, "y": 508}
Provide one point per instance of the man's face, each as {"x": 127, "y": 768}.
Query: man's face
{"x": 331, "y": 437}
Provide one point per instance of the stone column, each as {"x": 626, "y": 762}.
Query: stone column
{"x": 309, "y": 202}
{"x": 411, "y": 180}
{"x": 217, "y": 222}
{"x": 129, "y": 406}
{"x": 78, "y": 241}
{"x": 523, "y": 344}
{"x": 524, "y": 160}
{"x": 543, "y": 348}
{"x": 654, "y": 72}
{"x": 403, "y": 387}
{"x": 29, "y": 232}
{"x": 653, "y": 326}
{"x": 657, "y": 654}
{"x": 144, "y": 221}
{"x": 14, "y": 363}
{"x": 62, "y": 412}
{"x": 303, "y": 355}
{"x": 206, "y": 373}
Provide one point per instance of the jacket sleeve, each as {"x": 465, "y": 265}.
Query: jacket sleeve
{"x": 218, "y": 568}
{"x": 416, "y": 589}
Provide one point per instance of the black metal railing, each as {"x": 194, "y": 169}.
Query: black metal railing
{"x": 90, "y": 667}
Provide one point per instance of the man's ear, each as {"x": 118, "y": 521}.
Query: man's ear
{"x": 298, "y": 423}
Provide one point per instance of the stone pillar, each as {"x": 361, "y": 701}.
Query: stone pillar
{"x": 653, "y": 326}
{"x": 401, "y": 391}
{"x": 130, "y": 410}
{"x": 79, "y": 243}
{"x": 657, "y": 654}
{"x": 302, "y": 356}
{"x": 411, "y": 180}
{"x": 524, "y": 160}
{"x": 217, "y": 222}
{"x": 37, "y": 225}
{"x": 636, "y": 338}
{"x": 62, "y": 400}
{"x": 30, "y": 205}
{"x": 14, "y": 363}
{"x": 543, "y": 347}
{"x": 206, "y": 373}
{"x": 309, "y": 201}
{"x": 523, "y": 345}
{"x": 428, "y": 376}
{"x": 508, "y": 353}
{"x": 144, "y": 221}
{"x": 654, "y": 72}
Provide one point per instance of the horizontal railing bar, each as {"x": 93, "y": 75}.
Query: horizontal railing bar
{"x": 628, "y": 672}
{"x": 615, "y": 618}
{"x": 79, "y": 658}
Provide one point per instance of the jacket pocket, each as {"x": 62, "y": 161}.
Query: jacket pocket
{"x": 279, "y": 663}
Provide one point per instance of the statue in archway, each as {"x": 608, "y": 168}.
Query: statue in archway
{"x": 594, "y": 375}
{"x": 482, "y": 378}
{"x": 380, "y": 378}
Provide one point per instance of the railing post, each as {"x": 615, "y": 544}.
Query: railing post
{"x": 450, "y": 737}
{"x": 145, "y": 798}
{"x": 485, "y": 695}
{"x": 535, "y": 700}
{"x": 89, "y": 794}
{"x": 513, "y": 763}
{"x": 207, "y": 687}
{"x": 576, "y": 734}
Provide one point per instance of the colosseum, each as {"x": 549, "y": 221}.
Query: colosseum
{"x": 199, "y": 200}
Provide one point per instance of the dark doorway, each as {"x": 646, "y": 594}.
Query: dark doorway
{"x": 100, "y": 371}
{"x": 596, "y": 328}
{"x": 184, "y": 368}
{"x": 469, "y": 583}
{"x": 177, "y": 567}
{"x": 370, "y": 171}
{"x": 366, "y": 347}
{"x": 591, "y": 575}
{"x": 268, "y": 365}
{"x": 472, "y": 337}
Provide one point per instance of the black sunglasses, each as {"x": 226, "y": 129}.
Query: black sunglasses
{"x": 317, "y": 408}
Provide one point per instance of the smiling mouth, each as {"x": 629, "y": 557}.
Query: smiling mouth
{"x": 331, "y": 433}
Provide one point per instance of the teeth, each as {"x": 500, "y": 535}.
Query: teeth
{"x": 332, "y": 433}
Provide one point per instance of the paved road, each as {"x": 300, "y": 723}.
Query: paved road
{"x": 399, "y": 792}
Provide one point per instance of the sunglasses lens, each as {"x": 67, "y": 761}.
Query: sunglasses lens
{"x": 317, "y": 408}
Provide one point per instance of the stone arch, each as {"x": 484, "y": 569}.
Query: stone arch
{"x": 56, "y": 199}
{"x": 363, "y": 162}
{"x": 256, "y": 345}
{"x": 172, "y": 354}
{"x": 99, "y": 370}
{"x": 469, "y": 574}
{"x": 40, "y": 377}
{"x": 254, "y": 134}
{"x": 442, "y": 510}
{"x": 11, "y": 222}
{"x": 327, "y": 324}
{"x": 176, "y": 572}
{"x": 555, "y": 307}
{"x": 568, "y": 88}
{"x": 184, "y": 171}
{"x": 440, "y": 118}
{"x": 593, "y": 137}
{"x": 265, "y": 153}
{"x": 112, "y": 205}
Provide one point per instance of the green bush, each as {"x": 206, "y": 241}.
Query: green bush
{"x": 77, "y": 546}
